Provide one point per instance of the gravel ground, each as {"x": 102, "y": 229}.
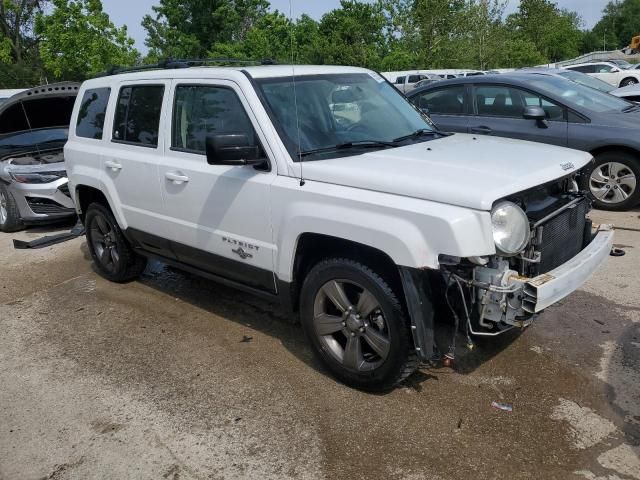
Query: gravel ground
{"x": 152, "y": 379}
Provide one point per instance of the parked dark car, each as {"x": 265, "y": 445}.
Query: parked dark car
{"x": 548, "y": 109}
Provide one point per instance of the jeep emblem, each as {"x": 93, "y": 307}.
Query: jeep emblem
{"x": 241, "y": 253}
{"x": 567, "y": 166}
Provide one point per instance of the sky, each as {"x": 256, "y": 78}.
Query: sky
{"x": 130, "y": 12}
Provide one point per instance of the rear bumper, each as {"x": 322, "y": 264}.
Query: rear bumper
{"x": 544, "y": 290}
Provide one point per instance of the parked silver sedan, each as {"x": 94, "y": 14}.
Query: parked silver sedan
{"x": 34, "y": 126}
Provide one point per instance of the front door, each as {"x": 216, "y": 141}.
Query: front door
{"x": 218, "y": 217}
{"x": 499, "y": 111}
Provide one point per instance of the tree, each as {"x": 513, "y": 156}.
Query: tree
{"x": 17, "y": 19}
{"x": 79, "y": 40}
{"x": 620, "y": 22}
{"x": 189, "y": 28}
{"x": 352, "y": 35}
{"x": 554, "y": 32}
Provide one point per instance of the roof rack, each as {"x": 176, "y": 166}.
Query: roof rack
{"x": 172, "y": 63}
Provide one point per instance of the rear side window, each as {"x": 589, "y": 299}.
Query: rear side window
{"x": 584, "y": 69}
{"x": 137, "y": 117}
{"x": 92, "y": 112}
{"x": 202, "y": 111}
{"x": 444, "y": 101}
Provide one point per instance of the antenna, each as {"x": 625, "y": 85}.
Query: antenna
{"x": 295, "y": 96}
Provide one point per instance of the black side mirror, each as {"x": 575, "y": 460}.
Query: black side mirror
{"x": 232, "y": 149}
{"x": 536, "y": 113}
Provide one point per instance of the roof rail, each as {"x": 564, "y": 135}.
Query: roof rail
{"x": 171, "y": 63}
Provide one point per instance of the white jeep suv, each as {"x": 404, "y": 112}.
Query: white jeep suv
{"x": 369, "y": 225}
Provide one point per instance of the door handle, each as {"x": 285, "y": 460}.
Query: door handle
{"x": 482, "y": 130}
{"x": 115, "y": 166}
{"x": 176, "y": 177}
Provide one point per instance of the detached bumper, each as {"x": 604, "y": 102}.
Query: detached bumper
{"x": 544, "y": 290}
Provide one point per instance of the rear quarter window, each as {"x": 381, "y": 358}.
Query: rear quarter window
{"x": 92, "y": 111}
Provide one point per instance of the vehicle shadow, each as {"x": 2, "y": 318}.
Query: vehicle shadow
{"x": 271, "y": 319}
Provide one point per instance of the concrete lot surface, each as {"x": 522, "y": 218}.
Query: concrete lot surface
{"x": 153, "y": 380}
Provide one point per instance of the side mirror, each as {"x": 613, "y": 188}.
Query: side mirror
{"x": 534, "y": 113}
{"x": 232, "y": 149}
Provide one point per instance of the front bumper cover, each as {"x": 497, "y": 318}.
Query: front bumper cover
{"x": 544, "y": 290}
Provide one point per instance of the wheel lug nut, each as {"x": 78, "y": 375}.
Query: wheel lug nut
{"x": 344, "y": 324}
{"x": 362, "y": 329}
{"x": 353, "y": 334}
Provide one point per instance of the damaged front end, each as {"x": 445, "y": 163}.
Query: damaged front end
{"x": 560, "y": 251}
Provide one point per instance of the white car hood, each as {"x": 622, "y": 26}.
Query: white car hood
{"x": 460, "y": 170}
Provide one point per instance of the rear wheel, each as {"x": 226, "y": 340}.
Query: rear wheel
{"x": 10, "y": 220}
{"x": 612, "y": 181}
{"x": 113, "y": 256}
{"x": 356, "y": 325}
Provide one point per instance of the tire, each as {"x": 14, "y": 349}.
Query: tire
{"x": 10, "y": 220}
{"x": 112, "y": 254}
{"x": 345, "y": 342}
{"x": 628, "y": 81}
{"x": 616, "y": 194}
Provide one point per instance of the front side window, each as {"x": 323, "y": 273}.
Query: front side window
{"x": 444, "y": 101}
{"x": 201, "y": 111}
{"x": 603, "y": 68}
{"x": 400, "y": 80}
{"x": 414, "y": 78}
{"x": 137, "y": 118}
{"x": 497, "y": 101}
{"x": 92, "y": 112}
{"x": 339, "y": 110}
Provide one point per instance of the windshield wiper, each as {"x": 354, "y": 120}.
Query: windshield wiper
{"x": 423, "y": 132}
{"x": 348, "y": 145}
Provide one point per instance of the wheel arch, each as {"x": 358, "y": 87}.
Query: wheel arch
{"x": 86, "y": 195}
{"x": 635, "y": 80}
{"x": 312, "y": 247}
{"x": 615, "y": 148}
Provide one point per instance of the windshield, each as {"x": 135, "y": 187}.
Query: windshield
{"x": 586, "y": 80}
{"x": 359, "y": 109}
{"x": 579, "y": 95}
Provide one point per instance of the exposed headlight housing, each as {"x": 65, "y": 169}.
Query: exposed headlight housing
{"x": 37, "y": 177}
{"x": 510, "y": 228}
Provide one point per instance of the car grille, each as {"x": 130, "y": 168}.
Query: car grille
{"x": 563, "y": 236}
{"x": 44, "y": 206}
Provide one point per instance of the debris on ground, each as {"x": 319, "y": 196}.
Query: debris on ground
{"x": 246, "y": 339}
{"x": 505, "y": 407}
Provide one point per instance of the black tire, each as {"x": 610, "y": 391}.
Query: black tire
{"x": 401, "y": 360}
{"x": 628, "y": 81}
{"x": 11, "y": 221}
{"x": 125, "y": 265}
{"x": 631, "y": 165}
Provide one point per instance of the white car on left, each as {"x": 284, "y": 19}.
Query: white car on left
{"x": 608, "y": 72}
{"x": 34, "y": 126}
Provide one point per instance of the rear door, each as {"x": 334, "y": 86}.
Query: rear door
{"x": 607, "y": 73}
{"x": 499, "y": 111}
{"x": 130, "y": 163}
{"x": 447, "y": 106}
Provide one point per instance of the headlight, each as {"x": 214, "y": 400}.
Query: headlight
{"x": 39, "y": 177}
{"x": 510, "y": 228}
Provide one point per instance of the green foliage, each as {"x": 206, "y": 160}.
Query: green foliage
{"x": 619, "y": 24}
{"x": 554, "y": 32}
{"x": 188, "y": 28}
{"x": 78, "y": 40}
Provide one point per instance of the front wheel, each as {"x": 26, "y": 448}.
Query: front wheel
{"x": 612, "y": 181}
{"x": 356, "y": 326}
{"x": 113, "y": 256}
{"x": 10, "y": 220}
